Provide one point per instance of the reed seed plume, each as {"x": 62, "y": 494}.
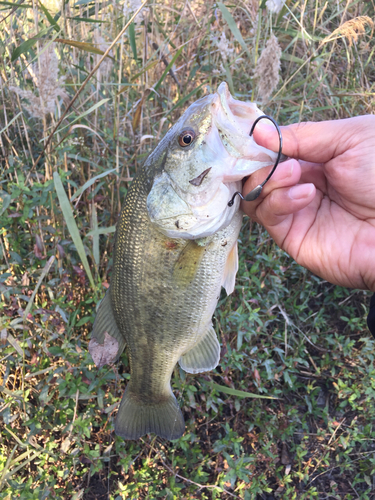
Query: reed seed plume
{"x": 275, "y": 5}
{"x": 222, "y": 44}
{"x": 352, "y": 29}
{"x": 268, "y": 68}
{"x": 107, "y": 65}
{"x": 130, "y": 6}
{"x": 49, "y": 85}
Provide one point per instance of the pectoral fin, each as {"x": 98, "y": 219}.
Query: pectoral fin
{"x": 107, "y": 343}
{"x": 204, "y": 356}
{"x": 188, "y": 262}
{"x": 230, "y": 271}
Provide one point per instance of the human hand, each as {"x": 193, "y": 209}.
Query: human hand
{"x": 321, "y": 209}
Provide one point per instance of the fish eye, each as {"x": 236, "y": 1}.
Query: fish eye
{"x": 186, "y": 138}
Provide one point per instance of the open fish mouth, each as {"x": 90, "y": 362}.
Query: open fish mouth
{"x": 234, "y": 119}
{"x": 238, "y": 113}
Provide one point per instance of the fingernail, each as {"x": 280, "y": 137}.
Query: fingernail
{"x": 301, "y": 191}
{"x": 265, "y": 127}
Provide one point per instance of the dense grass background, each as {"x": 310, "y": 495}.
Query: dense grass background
{"x": 284, "y": 332}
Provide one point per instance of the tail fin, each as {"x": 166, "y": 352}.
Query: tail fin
{"x": 135, "y": 418}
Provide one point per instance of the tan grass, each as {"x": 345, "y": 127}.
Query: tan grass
{"x": 352, "y": 29}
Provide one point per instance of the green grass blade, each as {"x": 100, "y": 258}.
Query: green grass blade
{"x": 72, "y": 226}
{"x": 166, "y": 70}
{"x": 229, "y": 78}
{"x": 90, "y": 182}
{"x": 133, "y": 44}
{"x": 239, "y": 394}
{"x": 233, "y": 27}
{"x": 22, "y": 5}
{"x": 185, "y": 98}
{"x": 102, "y": 230}
{"x": 146, "y": 68}
{"x": 24, "y": 47}
{"x": 95, "y": 236}
{"x": 10, "y": 123}
{"x": 93, "y": 108}
{"x": 41, "y": 278}
{"x": 51, "y": 20}
{"x": 87, "y": 20}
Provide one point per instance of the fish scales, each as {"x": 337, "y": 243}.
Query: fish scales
{"x": 175, "y": 247}
{"x": 142, "y": 257}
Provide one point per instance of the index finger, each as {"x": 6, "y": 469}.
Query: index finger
{"x": 316, "y": 142}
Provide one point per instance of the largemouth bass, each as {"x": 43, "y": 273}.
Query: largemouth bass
{"x": 175, "y": 247}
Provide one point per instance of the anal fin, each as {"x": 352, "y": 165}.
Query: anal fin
{"x": 107, "y": 342}
{"x": 204, "y": 356}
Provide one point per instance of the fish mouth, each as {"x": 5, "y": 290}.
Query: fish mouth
{"x": 234, "y": 119}
{"x": 238, "y": 113}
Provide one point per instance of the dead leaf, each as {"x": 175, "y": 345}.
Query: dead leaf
{"x": 103, "y": 354}
{"x": 285, "y": 459}
{"x": 3, "y": 336}
{"x": 257, "y": 376}
{"x": 88, "y": 47}
{"x": 65, "y": 445}
{"x": 25, "y": 281}
{"x": 138, "y": 110}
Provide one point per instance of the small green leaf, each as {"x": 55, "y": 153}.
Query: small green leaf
{"x": 83, "y": 321}
{"x": 83, "y": 2}
{"x": 5, "y": 200}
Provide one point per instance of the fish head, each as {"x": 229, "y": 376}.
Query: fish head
{"x": 205, "y": 156}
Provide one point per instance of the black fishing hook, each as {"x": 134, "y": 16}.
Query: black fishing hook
{"x": 253, "y": 195}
